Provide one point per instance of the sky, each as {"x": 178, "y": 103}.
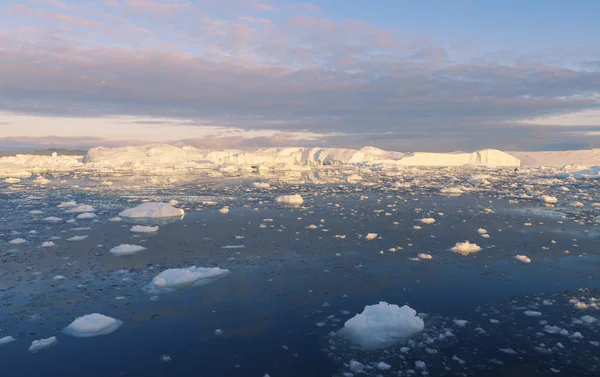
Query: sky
{"x": 430, "y": 75}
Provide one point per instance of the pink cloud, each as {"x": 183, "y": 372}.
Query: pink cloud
{"x": 265, "y": 7}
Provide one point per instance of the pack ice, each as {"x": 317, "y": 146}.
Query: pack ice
{"x": 152, "y": 210}
{"x": 382, "y": 325}
{"x": 179, "y": 278}
{"x": 92, "y": 325}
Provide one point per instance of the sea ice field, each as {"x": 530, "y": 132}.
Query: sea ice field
{"x": 328, "y": 271}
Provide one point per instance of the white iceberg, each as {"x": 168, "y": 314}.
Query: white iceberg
{"x": 143, "y": 229}
{"x": 6, "y": 340}
{"x": 42, "y": 344}
{"x": 523, "y": 258}
{"x": 86, "y": 216}
{"x": 178, "y": 278}
{"x": 126, "y": 249}
{"x": 382, "y": 325}
{"x": 17, "y": 241}
{"x": 67, "y": 205}
{"x": 92, "y": 325}
{"x": 549, "y": 199}
{"x": 47, "y": 244}
{"x": 295, "y": 200}
{"x": 465, "y": 248}
{"x": 152, "y": 210}
{"x": 427, "y": 220}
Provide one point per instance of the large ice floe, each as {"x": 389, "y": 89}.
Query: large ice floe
{"x": 295, "y": 200}
{"x": 382, "y": 325}
{"x": 174, "y": 279}
{"x": 126, "y": 249}
{"x": 152, "y": 210}
{"x": 92, "y": 325}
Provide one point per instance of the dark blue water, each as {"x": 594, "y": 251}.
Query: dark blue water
{"x": 285, "y": 280}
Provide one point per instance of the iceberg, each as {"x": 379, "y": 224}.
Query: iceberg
{"x": 92, "y": 325}
{"x": 174, "y": 279}
{"x": 126, "y": 249}
{"x": 295, "y": 200}
{"x": 382, "y": 325}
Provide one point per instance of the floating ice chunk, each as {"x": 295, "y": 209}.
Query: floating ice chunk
{"x": 420, "y": 364}
{"x": 382, "y": 325}
{"x": 42, "y": 344}
{"x": 224, "y": 210}
{"x": 427, "y": 220}
{"x": 126, "y": 249}
{"x": 549, "y": 199}
{"x": 81, "y": 208}
{"x": 179, "y": 278}
{"x": 143, "y": 229}
{"x": 532, "y": 313}
{"x": 460, "y": 322}
{"x": 6, "y": 340}
{"x": 481, "y": 231}
{"x": 261, "y": 185}
{"x": 115, "y": 219}
{"x": 576, "y": 204}
{"x": 17, "y": 241}
{"x": 290, "y": 199}
{"x": 86, "y": 216}
{"x": 152, "y": 210}
{"x": 48, "y": 244}
{"x": 588, "y": 319}
{"x": 53, "y": 219}
{"x": 35, "y": 212}
{"x": 12, "y": 180}
{"x": 523, "y": 258}
{"x": 509, "y": 351}
{"x": 58, "y": 278}
{"x": 92, "y": 325}
{"x": 67, "y": 205}
{"x": 370, "y": 236}
{"x": 452, "y": 191}
{"x": 312, "y": 226}
{"x": 423, "y": 256}
{"x": 356, "y": 366}
{"x": 383, "y": 365}
{"x": 165, "y": 358}
{"x": 77, "y": 238}
{"x": 465, "y": 248}
{"x": 233, "y": 247}
{"x": 218, "y": 332}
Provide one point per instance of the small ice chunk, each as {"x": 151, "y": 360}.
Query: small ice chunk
{"x": 165, "y": 358}
{"x": 81, "y": 208}
{"x": 218, "y": 332}
{"x": 53, "y": 219}
{"x": 42, "y": 344}
{"x": 152, "y": 210}
{"x": 481, "y": 231}
{"x": 588, "y": 319}
{"x": 115, "y": 219}
{"x": 48, "y": 244}
{"x": 17, "y": 241}
{"x": 427, "y": 220}
{"x": 460, "y": 322}
{"x": 290, "y": 199}
{"x": 67, "y": 204}
{"x": 224, "y": 210}
{"x": 179, "y": 278}
{"x": 126, "y": 249}
{"x": 77, "y": 238}
{"x": 356, "y": 366}
{"x": 383, "y": 365}
{"x": 548, "y": 199}
{"x": 261, "y": 185}
{"x": 35, "y": 212}
{"x": 420, "y": 364}
{"x": 382, "y": 325}
{"x": 58, "y": 278}
{"x": 92, "y": 325}
{"x": 86, "y": 216}
{"x": 6, "y": 340}
{"x": 465, "y": 248}
{"x": 423, "y": 256}
{"x": 143, "y": 229}
{"x": 370, "y": 236}
{"x": 523, "y": 258}
{"x": 532, "y": 313}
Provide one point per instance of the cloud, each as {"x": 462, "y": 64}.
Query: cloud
{"x": 313, "y": 74}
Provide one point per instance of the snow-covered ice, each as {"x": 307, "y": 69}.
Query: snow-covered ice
{"x": 126, "y": 249}
{"x": 6, "y": 340}
{"x": 86, "y": 216}
{"x": 152, "y": 210}
{"x": 42, "y": 344}
{"x": 523, "y": 258}
{"x": 81, "y": 208}
{"x": 143, "y": 229}
{"x": 92, "y": 325}
{"x": 382, "y": 325}
{"x": 465, "y": 248}
{"x": 179, "y": 278}
{"x": 295, "y": 199}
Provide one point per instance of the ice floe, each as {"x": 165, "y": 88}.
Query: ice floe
{"x": 42, "y": 344}
{"x": 290, "y": 199}
{"x": 152, "y": 210}
{"x": 126, "y": 249}
{"x": 178, "y": 278}
{"x": 92, "y": 325}
{"x": 465, "y": 248}
{"x": 144, "y": 229}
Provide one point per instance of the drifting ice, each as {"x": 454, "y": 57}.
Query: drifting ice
{"x": 295, "y": 200}
{"x": 465, "y": 248}
{"x": 92, "y": 325}
{"x": 178, "y": 278}
{"x": 152, "y": 210}
{"x": 42, "y": 344}
{"x": 143, "y": 229}
{"x": 382, "y": 325}
{"x": 126, "y": 249}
